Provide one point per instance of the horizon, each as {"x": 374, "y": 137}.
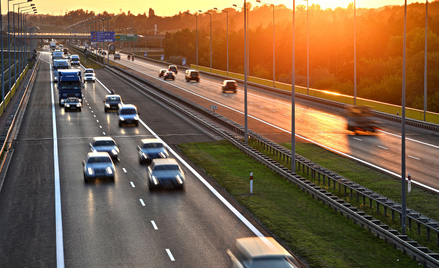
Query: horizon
{"x": 163, "y": 9}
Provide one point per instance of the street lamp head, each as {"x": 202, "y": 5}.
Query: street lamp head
{"x": 215, "y": 8}
{"x": 200, "y": 10}
{"x": 29, "y": 0}
{"x": 235, "y": 5}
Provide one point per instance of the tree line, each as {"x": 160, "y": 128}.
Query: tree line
{"x": 379, "y": 45}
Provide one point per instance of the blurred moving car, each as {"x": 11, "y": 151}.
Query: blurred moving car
{"x": 229, "y": 85}
{"x": 360, "y": 118}
{"x": 151, "y": 149}
{"x": 261, "y": 252}
{"x": 169, "y": 75}
{"x": 112, "y": 102}
{"x": 192, "y": 75}
{"x": 104, "y": 53}
{"x": 116, "y": 56}
{"x": 105, "y": 144}
{"x": 98, "y": 165}
{"x": 128, "y": 115}
{"x": 162, "y": 72}
{"x": 173, "y": 68}
{"x": 89, "y": 70}
{"x": 72, "y": 103}
{"x": 166, "y": 174}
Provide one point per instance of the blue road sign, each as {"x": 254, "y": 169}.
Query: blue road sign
{"x": 99, "y": 36}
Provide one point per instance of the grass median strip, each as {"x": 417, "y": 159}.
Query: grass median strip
{"x": 310, "y": 229}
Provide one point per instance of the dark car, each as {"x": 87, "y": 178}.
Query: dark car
{"x": 169, "y": 75}
{"x": 162, "y": 72}
{"x": 116, "y": 56}
{"x": 105, "y": 144}
{"x": 72, "y": 103}
{"x": 173, "y": 68}
{"x": 192, "y": 75}
{"x": 229, "y": 85}
{"x": 128, "y": 115}
{"x": 112, "y": 102}
{"x": 150, "y": 149}
{"x": 98, "y": 165}
{"x": 166, "y": 174}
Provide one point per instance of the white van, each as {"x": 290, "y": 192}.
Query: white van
{"x": 74, "y": 60}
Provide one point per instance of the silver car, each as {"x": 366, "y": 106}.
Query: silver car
{"x": 150, "y": 149}
{"x": 166, "y": 174}
{"x": 98, "y": 165}
{"x": 90, "y": 77}
{"x": 128, "y": 115}
{"x": 105, "y": 144}
{"x": 72, "y": 103}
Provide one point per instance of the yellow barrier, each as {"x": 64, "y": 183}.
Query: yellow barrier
{"x": 323, "y": 94}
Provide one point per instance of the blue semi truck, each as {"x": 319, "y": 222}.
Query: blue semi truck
{"x": 70, "y": 84}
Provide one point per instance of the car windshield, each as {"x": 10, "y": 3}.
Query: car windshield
{"x": 113, "y": 99}
{"x": 153, "y": 145}
{"x": 99, "y": 159}
{"x": 69, "y": 85}
{"x": 89, "y": 71}
{"x": 230, "y": 83}
{"x": 166, "y": 167}
{"x": 104, "y": 143}
{"x": 128, "y": 111}
{"x": 89, "y": 75}
{"x": 70, "y": 100}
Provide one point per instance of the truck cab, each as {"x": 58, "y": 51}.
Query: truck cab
{"x": 70, "y": 84}
{"x": 61, "y": 64}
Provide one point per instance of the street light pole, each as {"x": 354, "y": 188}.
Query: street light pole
{"x": 245, "y": 75}
{"x": 425, "y": 59}
{"x": 1, "y": 29}
{"x": 210, "y": 40}
{"x": 355, "y": 53}
{"x": 307, "y": 47}
{"x": 403, "y": 167}
{"x": 293, "y": 95}
{"x": 227, "y": 17}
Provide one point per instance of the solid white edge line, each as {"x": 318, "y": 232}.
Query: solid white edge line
{"x": 215, "y": 192}
{"x": 154, "y": 225}
{"x": 58, "y": 211}
{"x": 382, "y": 147}
{"x": 414, "y": 157}
{"x": 170, "y": 254}
{"x": 124, "y": 170}
{"x": 132, "y": 184}
{"x": 141, "y": 202}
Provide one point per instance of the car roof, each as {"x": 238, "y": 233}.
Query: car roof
{"x": 98, "y": 154}
{"x": 226, "y": 81}
{"x": 126, "y": 106}
{"x": 89, "y": 69}
{"x": 103, "y": 139}
{"x": 164, "y": 161}
{"x": 112, "y": 95}
{"x": 258, "y": 247}
{"x": 152, "y": 140}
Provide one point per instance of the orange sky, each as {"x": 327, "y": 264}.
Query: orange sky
{"x": 172, "y": 7}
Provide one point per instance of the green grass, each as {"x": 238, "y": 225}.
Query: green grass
{"x": 310, "y": 229}
{"x": 377, "y": 181}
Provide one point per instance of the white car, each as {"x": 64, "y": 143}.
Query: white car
{"x": 89, "y": 77}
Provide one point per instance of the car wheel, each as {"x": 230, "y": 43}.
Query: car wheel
{"x": 137, "y": 124}
{"x": 85, "y": 179}
{"x": 106, "y": 110}
{"x": 80, "y": 109}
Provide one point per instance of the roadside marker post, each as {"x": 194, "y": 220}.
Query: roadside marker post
{"x": 251, "y": 182}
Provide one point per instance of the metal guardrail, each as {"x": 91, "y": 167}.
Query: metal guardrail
{"x": 408, "y": 246}
{"x": 6, "y": 135}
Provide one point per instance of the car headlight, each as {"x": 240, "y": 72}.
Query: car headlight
{"x": 144, "y": 155}
{"x": 90, "y": 171}
{"x": 179, "y": 180}
{"x": 67, "y": 105}
{"x": 121, "y": 118}
{"x": 162, "y": 155}
{"x": 78, "y": 105}
{"x": 154, "y": 180}
{"x": 107, "y": 105}
{"x": 113, "y": 151}
{"x": 109, "y": 171}
{"x": 136, "y": 117}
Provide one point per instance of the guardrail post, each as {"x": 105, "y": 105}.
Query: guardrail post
{"x": 437, "y": 238}
{"x": 393, "y": 216}
{"x": 410, "y": 224}
{"x": 428, "y": 234}
{"x": 385, "y": 212}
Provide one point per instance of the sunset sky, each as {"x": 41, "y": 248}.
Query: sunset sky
{"x": 172, "y": 7}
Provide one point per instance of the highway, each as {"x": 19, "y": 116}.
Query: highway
{"x": 103, "y": 223}
{"x": 270, "y": 116}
